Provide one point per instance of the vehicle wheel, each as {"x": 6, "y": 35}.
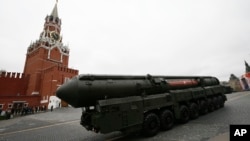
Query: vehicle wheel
{"x": 184, "y": 114}
{"x": 166, "y": 120}
{"x": 203, "y": 107}
{"x": 216, "y": 103}
{"x": 151, "y": 124}
{"x": 194, "y": 111}
{"x": 210, "y": 105}
{"x": 221, "y": 101}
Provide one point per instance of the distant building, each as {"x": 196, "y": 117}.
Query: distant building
{"x": 234, "y": 83}
{"x": 245, "y": 78}
{"x": 45, "y": 69}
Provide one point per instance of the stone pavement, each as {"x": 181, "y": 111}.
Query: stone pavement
{"x": 40, "y": 119}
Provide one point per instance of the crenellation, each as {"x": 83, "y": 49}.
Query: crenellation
{"x": 8, "y": 74}
{"x": 12, "y": 75}
{"x": 18, "y": 75}
{"x": 3, "y": 74}
{"x": 68, "y": 70}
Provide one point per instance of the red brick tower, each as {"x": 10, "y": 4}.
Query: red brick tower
{"x": 45, "y": 69}
{"x": 47, "y": 60}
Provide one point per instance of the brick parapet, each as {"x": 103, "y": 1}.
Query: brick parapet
{"x": 13, "y": 84}
{"x": 12, "y": 75}
{"x": 67, "y": 70}
{"x": 61, "y": 69}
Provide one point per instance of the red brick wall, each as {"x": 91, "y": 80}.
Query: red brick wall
{"x": 55, "y": 54}
{"x": 65, "y": 60}
{"x": 13, "y": 84}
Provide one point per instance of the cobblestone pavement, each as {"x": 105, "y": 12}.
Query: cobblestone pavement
{"x": 63, "y": 124}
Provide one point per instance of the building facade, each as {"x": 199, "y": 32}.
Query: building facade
{"x": 45, "y": 69}
{"x": 245, "y": 78}
{"x": 234, "y": 83}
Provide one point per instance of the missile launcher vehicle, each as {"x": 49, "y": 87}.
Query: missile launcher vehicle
{"x": 141, "y": 103}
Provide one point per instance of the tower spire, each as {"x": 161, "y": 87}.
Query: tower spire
{"x": 54, "y": 12}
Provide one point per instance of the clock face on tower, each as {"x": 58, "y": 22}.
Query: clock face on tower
{"x": 54, "y": 36}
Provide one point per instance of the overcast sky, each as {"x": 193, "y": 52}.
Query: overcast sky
{"x": 139, "y": 37}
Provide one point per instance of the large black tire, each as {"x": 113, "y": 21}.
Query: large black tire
{"x": 216, "y": 103}
{"x": 221, "y": 101}
{"x": 166, "y": 119}
{"x": 210, "y": 105}
{"x": 151, "y": 124}
{"x": 194, "y": 111}
{"x": 203, "y": 107}
{"x": 184, "y": 114}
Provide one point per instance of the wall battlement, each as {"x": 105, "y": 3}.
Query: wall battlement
{"x": 12, "y": 75}
{"x": 13, "y": 83}
{"x": 61, "y": 69}
{"x": 68, "y": 70}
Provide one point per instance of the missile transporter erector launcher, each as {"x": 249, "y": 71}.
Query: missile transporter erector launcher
{"x": 147, "y": 103}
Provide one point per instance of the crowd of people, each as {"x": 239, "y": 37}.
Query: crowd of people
{"x": 20, "y": 111}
